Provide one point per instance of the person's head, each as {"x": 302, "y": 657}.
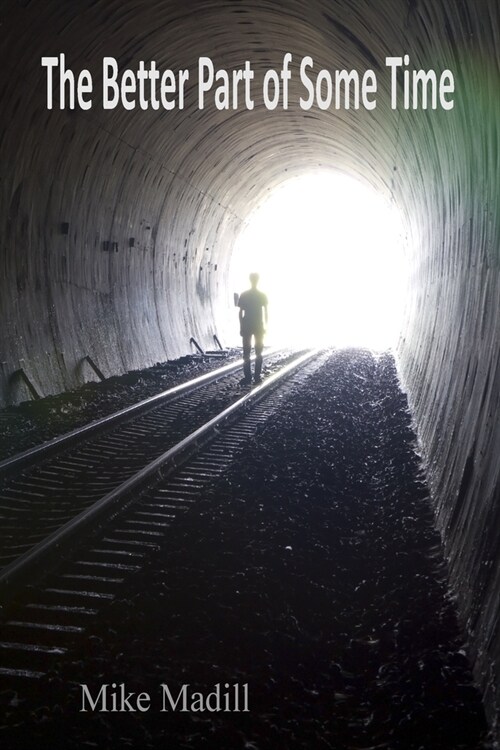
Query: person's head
{"x": 254, "y": 279}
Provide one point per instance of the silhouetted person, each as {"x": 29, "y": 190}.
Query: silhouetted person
{"x": 253, "y": 317}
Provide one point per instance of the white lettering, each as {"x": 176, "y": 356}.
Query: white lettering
{"x": 307, "y": 62}
{"x": 101, "y": 697}
{"x": 394, "y": 63}
{"x": 173, "y": 704}
{"x": 271, "y": 80}
{"x": 285, "y": 77}
{"x": 446, "y": 86}
{"x": 49, "y": 63}
{"x": 343, "y": 80}
{"x": 369, "y": 86}
{"x": 109, "y": 76}
{"x": 204, "y": 84}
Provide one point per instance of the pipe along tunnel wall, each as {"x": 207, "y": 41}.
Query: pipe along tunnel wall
{"x": 116, "y": 226}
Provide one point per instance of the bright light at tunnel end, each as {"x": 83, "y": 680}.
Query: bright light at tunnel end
{"x": 330, "y": 251}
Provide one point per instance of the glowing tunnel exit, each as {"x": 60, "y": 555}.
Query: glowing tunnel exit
{"x": 330, "y": 253}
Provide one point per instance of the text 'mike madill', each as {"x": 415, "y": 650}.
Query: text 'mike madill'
{"x": 114, "y": 698}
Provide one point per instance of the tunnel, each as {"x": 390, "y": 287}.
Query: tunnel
{"x": 117, "y": 225}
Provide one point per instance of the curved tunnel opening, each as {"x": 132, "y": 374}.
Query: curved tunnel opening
{"x": 333, "y": 260}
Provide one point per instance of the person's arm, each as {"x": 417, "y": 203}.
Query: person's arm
{"x": 266, "y": 317}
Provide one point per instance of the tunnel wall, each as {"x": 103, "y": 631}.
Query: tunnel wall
{"x": 110, "y": 245}
{"x": 116, "y": 228}
{"x": 86, "y": 279}
{"x": 114, "y": 258}
{"x": 448, "y": 354}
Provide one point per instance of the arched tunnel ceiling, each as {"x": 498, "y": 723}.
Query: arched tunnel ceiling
{"x": 116, "y": 227}
{"x": 240, "y": 150}
{"x": 192, "y": 176}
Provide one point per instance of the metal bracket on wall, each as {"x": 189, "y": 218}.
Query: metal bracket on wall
{"x": 193, "y": 341}
{"x": 21, "y": 375}
{"x": 218, "y": 354}
{"x": 93, "y": 365}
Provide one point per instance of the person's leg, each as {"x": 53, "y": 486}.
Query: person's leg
{"x": 247, "y": 346}
{"x": 259, "y": 347}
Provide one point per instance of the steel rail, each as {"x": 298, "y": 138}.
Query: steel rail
{"x": 19, "y": 570}
{"x": 32, "y": 455}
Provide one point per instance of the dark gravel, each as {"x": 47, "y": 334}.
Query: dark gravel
{"x": 313, "y": 573}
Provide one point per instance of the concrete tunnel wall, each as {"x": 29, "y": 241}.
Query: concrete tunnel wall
{"x": 116, "y": 227}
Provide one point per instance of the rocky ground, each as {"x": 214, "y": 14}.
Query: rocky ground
{"x": 311, "y": 572}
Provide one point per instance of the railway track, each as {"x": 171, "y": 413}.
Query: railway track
{"x": 72, "y": 567}
{"x": 44, "y": 488}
